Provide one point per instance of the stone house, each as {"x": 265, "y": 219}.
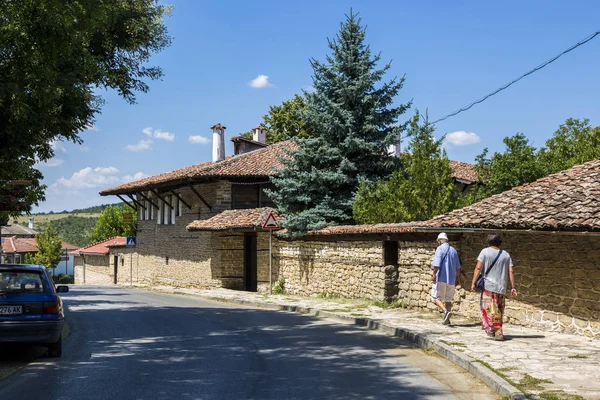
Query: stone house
{"x": 201, "y": 226}
{"x": 101, "y": 263}
{"x": 551, "y": 228}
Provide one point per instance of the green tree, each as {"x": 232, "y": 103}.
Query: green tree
{"x": 54, "y": 54}
{"x": 285, "y": 121}
{"x": 352, "y": 117}
{"x": 575, "y": 142}
{"x": 49, "y": 249}
{"x": 111, "y": 223}
{"x": 423, "y": 189}
{"x": 517, "y": 166}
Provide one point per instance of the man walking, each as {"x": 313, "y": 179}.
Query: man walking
{"x": 445, "y": 276}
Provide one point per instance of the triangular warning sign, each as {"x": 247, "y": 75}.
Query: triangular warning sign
{"x": 271, "y": 222}
{"x": 131, "y": 242}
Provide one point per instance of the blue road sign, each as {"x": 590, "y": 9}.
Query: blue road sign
{"x": 130, "y": 241}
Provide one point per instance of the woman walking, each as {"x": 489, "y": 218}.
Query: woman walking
{"x": 496, "y": 266}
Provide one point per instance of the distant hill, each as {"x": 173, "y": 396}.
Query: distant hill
{"x": 72, "y": 226}
{"x": 89, "y": 210}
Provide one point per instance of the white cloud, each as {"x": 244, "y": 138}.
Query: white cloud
{"x": 261, "y": 81}
{"x": 462, "y": 138}
{"x": 199, "y": 139}
{"x": 58, "y": 146}
{"x": 168, "y": 136}
{"x": 89, "y": 178}
{"x": 158, "y": 134}
{"x": 144, "y": 144}
{"x": 148, "y": 131}
{"x": 85, "y": 149}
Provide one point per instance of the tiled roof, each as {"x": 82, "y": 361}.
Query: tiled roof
{"x": 255, "y": 164}
{"x": 101, "y": 247}
{"x": 18, "y": 230}
{"x": 464, "y": 171}
{"x": 252, "y": 218}
{"x": 366, "y": 229}
{"x": 568, "y": 200}
{"x": 15, "y": 244}
{"x": 68, "y": 246}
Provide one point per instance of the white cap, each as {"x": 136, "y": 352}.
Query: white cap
{"x": 442, "y": 236}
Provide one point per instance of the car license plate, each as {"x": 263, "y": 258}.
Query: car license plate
{"x": 11, "y": 310}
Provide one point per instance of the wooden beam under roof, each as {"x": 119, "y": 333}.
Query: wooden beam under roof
{"x": 200, "y": 196}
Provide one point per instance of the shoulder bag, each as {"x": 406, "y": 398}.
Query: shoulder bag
{"x": 480, "y": 282}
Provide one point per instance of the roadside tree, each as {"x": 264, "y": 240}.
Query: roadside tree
{"x": 54, "y": 55}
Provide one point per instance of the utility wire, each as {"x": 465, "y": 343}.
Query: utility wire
{"x": 584, "y": 41}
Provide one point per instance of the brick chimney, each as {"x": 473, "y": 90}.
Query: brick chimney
{"x": 218, "y": 142}
{"x": 259, "y": 134}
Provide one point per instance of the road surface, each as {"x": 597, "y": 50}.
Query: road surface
{"x": 135, "y": 344}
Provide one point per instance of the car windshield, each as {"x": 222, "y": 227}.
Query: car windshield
{"x": 21, "y": 282}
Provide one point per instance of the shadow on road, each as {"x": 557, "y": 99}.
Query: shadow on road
{"x": 211, "y": 351}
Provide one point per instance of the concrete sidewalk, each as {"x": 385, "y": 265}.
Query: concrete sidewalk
{"x": 540, "y": 364}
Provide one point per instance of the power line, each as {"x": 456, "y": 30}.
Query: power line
{"x": 584, "y": 41}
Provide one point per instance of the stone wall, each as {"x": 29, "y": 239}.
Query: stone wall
{"x": 346, "y": 269}
{"x": 98, "y": 270}
{"x": 558, "y": 279}
{"x": 170, "y": 255}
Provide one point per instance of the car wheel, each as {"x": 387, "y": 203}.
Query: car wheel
{"x": 55, "y": 349}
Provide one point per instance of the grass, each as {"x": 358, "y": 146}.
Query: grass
{"x": 336, "y": 309}
{"x": 559, "y": 395}
{"x": 357, "y": 315}
{"x": 393, "y": 304}
{"x": 457, "y": 344}
{"x": 51, "y": 217}
{"x": 527, "y": 382}
{"x": 329, "y": 295}
{"x": 578, "y": 356}
{"x": 429, "y": 350}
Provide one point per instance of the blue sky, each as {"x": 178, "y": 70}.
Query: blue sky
{"x": 451, "y": 52}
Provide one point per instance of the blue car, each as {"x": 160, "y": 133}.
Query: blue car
{"x": 30, "y": 309}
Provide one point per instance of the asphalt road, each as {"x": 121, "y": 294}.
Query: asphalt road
{"x": 134, "y": 344}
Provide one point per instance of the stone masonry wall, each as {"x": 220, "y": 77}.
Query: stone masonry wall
{"x": 98, "y": 270}
{"x": 558, "y": 279}
{"x": 557, "y": 276}
{"x": 170, "y": 255}
{"x": 346, "y": 269}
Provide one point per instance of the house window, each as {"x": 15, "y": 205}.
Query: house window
{"x": 151, "y": 207}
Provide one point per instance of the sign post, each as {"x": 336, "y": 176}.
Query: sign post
{"x": 131, "y": 242}
{"x": 271, "y": 225}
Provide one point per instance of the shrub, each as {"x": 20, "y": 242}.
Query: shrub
{"x": 63, "y": 279}
{"x": 279, "y": 287}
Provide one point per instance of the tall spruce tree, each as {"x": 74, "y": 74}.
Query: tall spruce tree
{"x": 352, "y": 118}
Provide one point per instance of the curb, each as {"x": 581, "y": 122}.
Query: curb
{"x": 421, "y": 340}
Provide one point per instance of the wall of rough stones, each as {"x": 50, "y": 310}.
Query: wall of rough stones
{"x": 98, "y": 270}
{"x": 346, "y": 269}
{"x": 558, "y": 279}
{"x": 170, "y": 255}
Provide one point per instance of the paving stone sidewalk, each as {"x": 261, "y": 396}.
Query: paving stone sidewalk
{"x": 541, "y": 364}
